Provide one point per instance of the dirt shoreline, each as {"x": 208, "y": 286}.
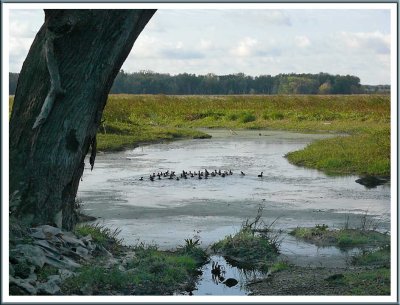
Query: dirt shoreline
{"x": 305, "y": 281}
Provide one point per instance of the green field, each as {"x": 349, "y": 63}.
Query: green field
{"x": 129, "y": 120}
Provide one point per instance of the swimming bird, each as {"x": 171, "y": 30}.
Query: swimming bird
{"x": 243, "y": 174}
{"x": 260, "y": 175}
{"x": 151, "y": 178}
{"x": 141, "y": 179}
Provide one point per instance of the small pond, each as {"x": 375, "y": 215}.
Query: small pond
{"x": 167, "y": 211}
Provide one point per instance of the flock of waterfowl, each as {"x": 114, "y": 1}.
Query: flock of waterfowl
{"x": 172, "y": 175}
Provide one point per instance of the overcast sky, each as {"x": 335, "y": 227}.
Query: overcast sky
{"x": 254, "y": 42}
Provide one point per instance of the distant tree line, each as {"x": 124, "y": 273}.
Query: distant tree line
{"x": 148, "y": 82}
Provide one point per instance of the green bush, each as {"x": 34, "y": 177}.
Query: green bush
{"x": 247, "y": 117}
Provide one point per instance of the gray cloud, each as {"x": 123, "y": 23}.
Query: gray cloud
{"x": 181, "y": 54}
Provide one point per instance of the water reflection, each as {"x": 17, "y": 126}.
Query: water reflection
{"x": 222, "y": 278}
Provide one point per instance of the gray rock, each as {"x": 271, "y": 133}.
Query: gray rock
{"x": 50, "y": 287}
{"x": 54, "y": 278}
{"x": 69, "y": 263}
{"x": 111, "y": 262}
{"x": 55, "y": 262}
{"x": 38, "y": 234}
{"x": 32, "y": 278}
{"x": 62, "y": 262}
{"x": 103, "y": 251}
{"x": 128, "y": 258}
{"x": 72, "y": 240}
{"x": 83, "y": 252}
{"x": 49, "y": 230}
{"x": 32, "y": 254}
{"x": 65, "y": 273}
{"x": 49, "y": 248}
{"x": 86, "y": 239}
{"x": 23, "y": 284}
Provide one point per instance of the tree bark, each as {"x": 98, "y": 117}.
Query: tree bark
{"x": 58, "y": 105}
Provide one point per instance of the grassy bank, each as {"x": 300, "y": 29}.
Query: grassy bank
{"x": 129, "y": 120}
{"x": 140, "y": 270}
{"x": 366, "y": 118}
{"x": 147, "y": 272}
{"x": 365, "y": 154}
{"x": 346, "y": 237}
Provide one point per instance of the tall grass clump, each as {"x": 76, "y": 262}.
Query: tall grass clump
{"x": 253, "y": 246}
{"x": 102, "y": 236}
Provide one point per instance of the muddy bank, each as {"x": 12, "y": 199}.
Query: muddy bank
{"x": 312, "y": 281}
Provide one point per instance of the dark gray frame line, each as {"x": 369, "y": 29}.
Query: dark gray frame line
{"x": 218, "y": 1}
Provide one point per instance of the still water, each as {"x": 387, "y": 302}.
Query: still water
{"x": 167, "y": 211}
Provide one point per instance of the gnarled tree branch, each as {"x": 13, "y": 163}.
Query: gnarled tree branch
{"x": 55, "y": 82}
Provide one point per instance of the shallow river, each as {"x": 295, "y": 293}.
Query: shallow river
{"x": 168, "y": 211}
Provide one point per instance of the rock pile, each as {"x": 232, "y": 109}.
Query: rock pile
{"x": 47, "y": 246}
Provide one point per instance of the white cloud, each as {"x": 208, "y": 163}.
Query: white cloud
{"x": 21, "y": 29}
{"x": 367, "y": 42}
{"x": 302, "y": 41}
{"x": 206, "y": 45}
{"x": 18, "y": 48}
{"x": 260, "y": 17}
{"x": 245, "y": 48}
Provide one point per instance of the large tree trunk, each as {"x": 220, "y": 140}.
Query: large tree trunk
{"x": 58, "y": 105}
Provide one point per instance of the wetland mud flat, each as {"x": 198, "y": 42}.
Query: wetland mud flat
{"x": 168, "y": 211}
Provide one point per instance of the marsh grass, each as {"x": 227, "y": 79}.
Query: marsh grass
{"x": 148, "y": 272}
{"x": 279, "y": 266}
{"x": 102, "y": 236}
{"x": 366, "y": 118}
{"x": 379, "y": 257}
{"x": 246, "y": 250}
{"x": 130, "y": 120}
{"x": 254, "y": 246}
{"x": 339, "y": 113}
{"x": 346, "y": 237}
{"x": 368, "y": 282}
{"x": 192, "y": 248}
{"x": 365, "y": 154}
